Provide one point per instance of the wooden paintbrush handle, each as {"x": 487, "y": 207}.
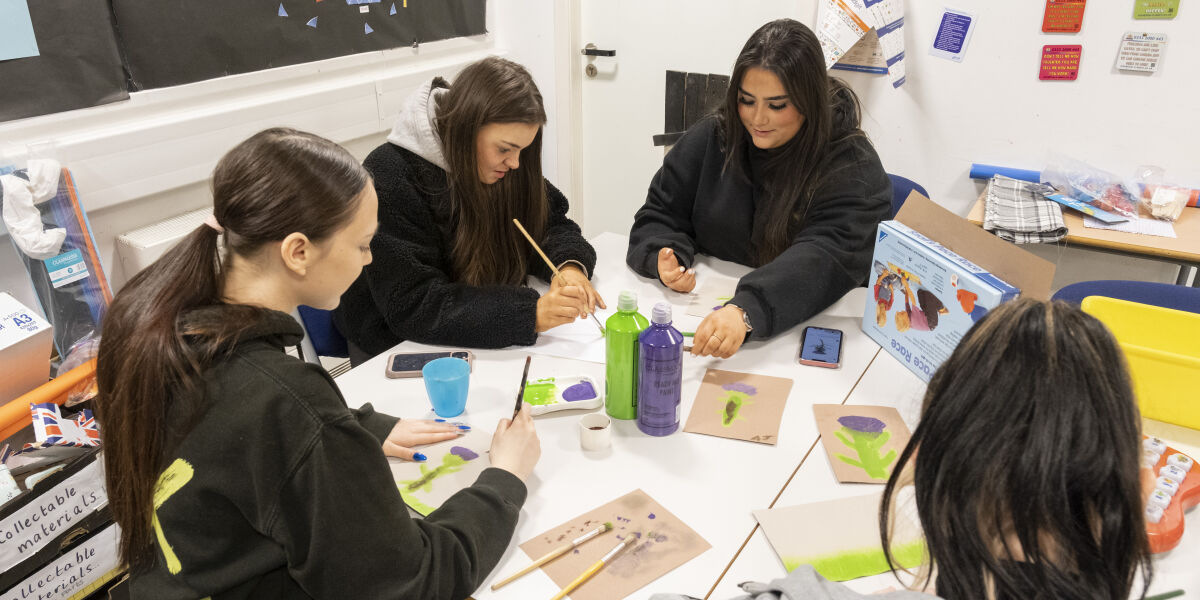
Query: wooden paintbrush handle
{"x": 579, "y": 581}
{"x": 557, "y": 552}
{"x": 535, "y": 245}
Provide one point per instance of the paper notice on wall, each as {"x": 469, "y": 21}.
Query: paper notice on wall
{"x": 863, "y": 35}
{"x": 1141, "y": 51}
{"x": 953, "y": 35}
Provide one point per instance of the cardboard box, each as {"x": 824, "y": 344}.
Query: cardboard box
{"x": 25, "y": 340}
{"x": 934, "y": 276}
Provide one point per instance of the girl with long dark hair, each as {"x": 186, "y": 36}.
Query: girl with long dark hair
{"x": 1025, "y": 467}
{"x": 781, "y": 179}
{"x": 236, "y": 471}
{"x": 461, "y": 163}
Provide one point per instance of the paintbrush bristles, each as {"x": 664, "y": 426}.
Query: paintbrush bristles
{"x": 608, "y": 526}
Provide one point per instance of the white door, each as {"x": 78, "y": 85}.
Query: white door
{"x": 622, "y": 106}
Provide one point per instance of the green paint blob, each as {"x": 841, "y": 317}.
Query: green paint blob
{"x": 541, "y": 392}
{"x": 866, "y": 445}
{"x": 731, "y": 407}
{"x": 451, "y": 463}
{"x": 862, "y": 562}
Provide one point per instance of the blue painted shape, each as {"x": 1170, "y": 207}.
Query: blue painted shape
{"x": 282, "y": 13}
{"x": 312, "y": 22}
{"x": 367, "y": 29}
{"x": 354, "y": 2}
{"x": 393, "y": 11}
{"x": 16, "y": 31}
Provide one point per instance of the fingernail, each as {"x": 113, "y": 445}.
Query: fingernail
{"x": 439, "y": 420}
{"x": 691, "y": 271}
{"x": 681, "y": 269}
{"x": 465, "y": 427}
{"x": 418, "y": 457}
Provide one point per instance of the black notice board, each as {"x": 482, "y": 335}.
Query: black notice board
{"x": 79, "y": 64}
{"x": 182, "y": 41}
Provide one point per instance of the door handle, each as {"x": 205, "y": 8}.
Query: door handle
{"x": 591, "y": 50}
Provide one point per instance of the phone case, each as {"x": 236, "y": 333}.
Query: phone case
{"x": 387, "y": 370}
{"x": 818, "y": 363}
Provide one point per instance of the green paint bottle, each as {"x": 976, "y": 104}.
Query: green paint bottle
{"x": 621, "y": 358}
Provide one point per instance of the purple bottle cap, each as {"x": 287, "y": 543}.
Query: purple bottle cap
{"x": 661, "y": 314}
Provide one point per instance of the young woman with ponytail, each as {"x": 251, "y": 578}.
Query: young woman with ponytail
{"x": 781, "y": 179}
{"x": 237, "y": 471}
{"x": 461, "y": 163}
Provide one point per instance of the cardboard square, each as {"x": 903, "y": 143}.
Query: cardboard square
{"x": 1063, "y": 16}
{"x": 666, "y": 543}
{"x": 1060, "y": 63}
{"x": 840, "y": 538}
{"x": 451, "y": 466}
{"x": 712, "y": 294}
{"x": 741, "y": 406}
{"x": 863, "y": 442}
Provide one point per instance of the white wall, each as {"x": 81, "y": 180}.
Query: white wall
{"x": 147, "y": 159}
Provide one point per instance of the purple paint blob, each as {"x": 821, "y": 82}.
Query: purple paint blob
{"x": 658, "y": 537}
{"x": 863, "y": 424}
{"x": 651, "y": 516}
{"x": 580, "y": 391}
{"x": 463, "y": 453}
{"x": 744, "y": 388}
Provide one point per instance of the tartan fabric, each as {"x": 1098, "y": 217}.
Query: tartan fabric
{"x": 1017, "y": 211}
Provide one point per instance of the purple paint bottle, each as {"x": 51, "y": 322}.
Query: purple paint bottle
{"x": 660, "y": 374}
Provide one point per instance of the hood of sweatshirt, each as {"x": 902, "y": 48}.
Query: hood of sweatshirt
{"x": 415, "y": 130}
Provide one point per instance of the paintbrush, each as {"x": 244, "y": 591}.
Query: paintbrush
{"x": 553, "y": 554}
{"x": 521, "y": 390}
{"x": 553, "y": 268}
{"x": 592, "y": 570}
{"x": 1166, "y": 596}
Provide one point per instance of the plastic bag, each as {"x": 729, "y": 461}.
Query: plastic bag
{"x": 82, "y": 351}
{"x": 1092, "y": 186}
{"x": 1163, "y": 201}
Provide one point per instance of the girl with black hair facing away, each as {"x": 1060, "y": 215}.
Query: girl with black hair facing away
{"x": 782, "y": 179}
{"x": 1025, "y": 467}
{"x": 236, "y": 471}
{"x": 461, "y": 163}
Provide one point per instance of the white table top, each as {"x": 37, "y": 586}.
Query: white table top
{"x": 888, "y": 383}
{"x": 710, "y": 483}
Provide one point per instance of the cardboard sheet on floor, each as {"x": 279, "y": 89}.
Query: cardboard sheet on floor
{"x": 862, "y": 442}
{"x": 742, "y": 406}
{"x": 666, "y": 542}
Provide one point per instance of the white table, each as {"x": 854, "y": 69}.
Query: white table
{"x": 711, "y": 483}
{"x": 888, "y": 383}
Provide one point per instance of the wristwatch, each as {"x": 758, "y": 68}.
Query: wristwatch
{"x": 745, "y": 316}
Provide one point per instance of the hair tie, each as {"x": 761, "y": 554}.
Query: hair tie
{"x": 211, "y": 221}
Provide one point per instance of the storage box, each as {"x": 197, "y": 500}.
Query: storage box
{"x": 1163, "y": 355}
{"x": 25, "y": 340}
{"x": 934, "y": 276}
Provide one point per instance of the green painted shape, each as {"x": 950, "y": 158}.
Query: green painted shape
{"x": 411, "y": 501}
{"x": 541, "y": 392}
{"x": 731, "y": 407}
{"x": 451, "y": 463}
{"x": 866, "y": 446}
{"x": 860, "y": 562}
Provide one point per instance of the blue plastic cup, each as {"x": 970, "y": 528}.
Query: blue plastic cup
{"x": 446, "y": 381}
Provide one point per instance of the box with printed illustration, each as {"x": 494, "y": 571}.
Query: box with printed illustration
{"x": 935, "y": 275}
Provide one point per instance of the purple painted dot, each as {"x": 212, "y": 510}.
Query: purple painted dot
{"x": 464, "y": 453}
{"x": 580, "y": 391}
{"x": 863, "y": 424}
{"x": 744, "y": 388}
{"x": 651, "y": 516}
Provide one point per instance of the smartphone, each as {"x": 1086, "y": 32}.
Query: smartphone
{"x": 821, "y": 347}
{"x": 409, "y": 364}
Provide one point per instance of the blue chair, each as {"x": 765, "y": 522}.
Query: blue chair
{"x": 1166, "y": 295}
{"x": 321, "y": 337}
{"x": 900, "y": 189}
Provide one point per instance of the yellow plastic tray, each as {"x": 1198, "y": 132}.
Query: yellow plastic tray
{"x": 1162, "y": 347}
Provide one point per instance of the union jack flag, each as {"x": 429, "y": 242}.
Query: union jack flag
{"x": 50, "y": 429}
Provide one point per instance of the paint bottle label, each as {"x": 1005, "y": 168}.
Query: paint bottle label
{"x": 660, "y": 375}
{"x": 621, "y": 363}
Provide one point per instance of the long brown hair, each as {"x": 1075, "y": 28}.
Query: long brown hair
{"x": 792, "y": 173}
{"x": 277, "y": 182}
{"x": 1027, "y": 475}
{"x": 488, "y": 249}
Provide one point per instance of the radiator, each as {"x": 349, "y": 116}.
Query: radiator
{"x": 140, "y": 247}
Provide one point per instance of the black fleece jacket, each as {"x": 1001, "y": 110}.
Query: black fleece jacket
{"x": 279, "y": 491}
{"x": 692, "y": 207}
{"x": 408, "y": 291}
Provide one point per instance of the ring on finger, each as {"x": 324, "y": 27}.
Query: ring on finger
{"x": 719, "y": 338}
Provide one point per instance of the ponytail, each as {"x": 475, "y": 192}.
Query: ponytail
{"x": 277, "y": 182}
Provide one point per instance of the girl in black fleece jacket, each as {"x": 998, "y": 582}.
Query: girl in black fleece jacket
{"x": 450, "y": 266}
{"x": 237, "y": 472}
{"x": 780, "y": 179}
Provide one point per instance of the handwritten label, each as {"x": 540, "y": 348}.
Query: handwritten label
{"x": 74, "y": 572}
{"x": 51, "y": 514}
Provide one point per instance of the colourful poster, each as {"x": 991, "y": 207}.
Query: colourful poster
{"x": 1063, "y": 16}
{"x": 1155, "y": 9}
{"x": 1060, "y": 63}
